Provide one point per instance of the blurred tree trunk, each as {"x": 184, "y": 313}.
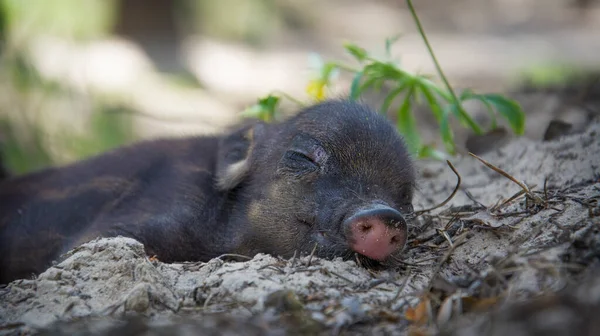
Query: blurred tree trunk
{"x": 152, "y": 25}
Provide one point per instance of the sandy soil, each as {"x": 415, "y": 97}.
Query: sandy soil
{"x": 492, "y": 245}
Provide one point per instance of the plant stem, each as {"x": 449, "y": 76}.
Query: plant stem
{"x": 289, "y": 97}
{"x": 345, "y": 67}
{"x": 413, "y": 13}
{"x": 430, "y": 50}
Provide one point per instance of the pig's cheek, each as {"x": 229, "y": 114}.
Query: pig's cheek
{"x": 281, "y": 192}
{"x": 272, "y": 213}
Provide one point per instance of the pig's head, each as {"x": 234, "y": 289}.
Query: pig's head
{"x": 336, "y": 176}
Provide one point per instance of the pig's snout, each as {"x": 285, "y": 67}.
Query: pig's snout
{"x": 376, "y": 232}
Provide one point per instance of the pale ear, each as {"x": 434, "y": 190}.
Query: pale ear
{"x": 234, "y": 153}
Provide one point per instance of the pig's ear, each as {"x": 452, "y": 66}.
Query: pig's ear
{"x": 234, "y": 154}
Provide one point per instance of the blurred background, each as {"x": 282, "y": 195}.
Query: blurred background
{"x": 78, "y": 77}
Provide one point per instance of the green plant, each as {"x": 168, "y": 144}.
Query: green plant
{"x": 411, "y": 88}
{"x": 27, "y": 144}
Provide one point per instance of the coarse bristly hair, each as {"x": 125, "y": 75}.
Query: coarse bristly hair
{"x": 274, "y": 188}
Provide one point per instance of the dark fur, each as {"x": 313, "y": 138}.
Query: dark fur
{"x": 3, "y": 171}
{"x": 196, "y": 198}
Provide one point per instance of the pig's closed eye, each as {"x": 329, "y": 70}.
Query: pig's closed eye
{"x": 299, "y": 161}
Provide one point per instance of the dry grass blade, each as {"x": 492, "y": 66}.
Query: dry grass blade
{"x": 445, "y": 235}
{"x": 341, "y": 277}
{"x": 506, "y": 202}
{"x": 534, "y": 197}
{"x": 457, "y": 242}
{"x": 312, "y": 254}
{"x": 400, "y": 290}
{"x": 458, "y": 182}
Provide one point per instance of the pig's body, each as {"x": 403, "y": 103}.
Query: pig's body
{"x": 337, "y": 176}
{"x": 3, "y": 171}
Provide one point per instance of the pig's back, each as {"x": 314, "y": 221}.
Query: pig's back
{"x": 43, "y": 212}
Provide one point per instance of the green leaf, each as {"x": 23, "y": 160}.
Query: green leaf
{"x": 429, "y": 96}
{"x": 264, "y": 109}
{"x": 427, "y": 83}
{"x": 355, "y": 88}
{"x": 384, "y": 71}
{"x": 428, "y": 151}
{"x": 327, "y": 71}
{"x": 389, "y": 42}
{"x": 359, "y": 53}
{"x": 447, "y": 134}
{"x": 441, "y": 115}
{"x": 387, "y": 102}
{"x": 270, "y": 102}
{"x": 368, "y": 83}
{"x": 464, "y": 118}
{"x": 468, "y": 94}
{"x": 390, "y": 71}
{"x": 407, "y": 125}
{"x": 509, "y": 109}
{"x": 379, "y": 84}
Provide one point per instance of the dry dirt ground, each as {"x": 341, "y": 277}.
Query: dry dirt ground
{"x": 469, "y": 266}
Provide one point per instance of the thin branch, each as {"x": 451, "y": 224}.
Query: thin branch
{"x": 534, "y": 197}
{"x": 458, "y": 182}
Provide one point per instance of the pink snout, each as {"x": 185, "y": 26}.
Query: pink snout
{"x": 377, "y": 232}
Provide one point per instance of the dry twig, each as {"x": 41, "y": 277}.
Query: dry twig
{"x": 458, "y": 182}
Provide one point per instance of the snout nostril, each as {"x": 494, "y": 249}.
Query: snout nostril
{"x": 365, "y": 227}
